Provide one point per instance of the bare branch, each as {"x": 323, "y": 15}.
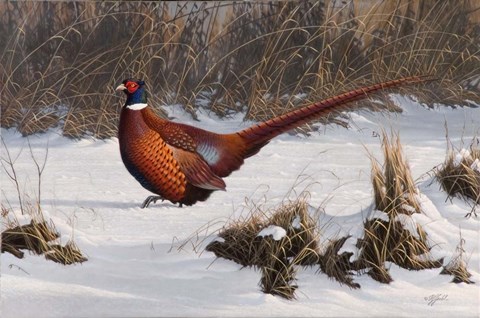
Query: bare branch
{"x": 12, "y": 173}
{"x": 39, "y": 167}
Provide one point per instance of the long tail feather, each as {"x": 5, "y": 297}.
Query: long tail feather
{"x": 260, "y": 134}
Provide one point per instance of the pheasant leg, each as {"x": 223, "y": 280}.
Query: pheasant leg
{"x": 150, "y": 199}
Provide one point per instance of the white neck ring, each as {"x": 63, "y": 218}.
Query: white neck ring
{"x": 137, "y": 106}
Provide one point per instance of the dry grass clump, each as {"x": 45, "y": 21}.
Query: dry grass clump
{"x": 301, "y": 241}
{"x": 241, "y": 243}
{"x": 33, "y": 236}
{"x": 338, "y": 266}
{"x": 37, "y": 237}
{"x": 391, "y": 234}
{"x": 393, "y": 186}
{"x": 459, "y": 175}
{"x": 68, "y": 254}
{"x": 457, "y": 266}
{"x": 61, "y": 60}
{"x": 390, "y": 241}
{"x": 277, "y": 243}
{"x": 274, "y": 244}
{"x": 278, "y": 271}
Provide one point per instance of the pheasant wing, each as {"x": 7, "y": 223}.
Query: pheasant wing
{"x": 196, "y": 170}
{"x": 221, "y": 153}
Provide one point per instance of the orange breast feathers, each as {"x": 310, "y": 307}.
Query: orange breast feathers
{"x": 156, "y": 162}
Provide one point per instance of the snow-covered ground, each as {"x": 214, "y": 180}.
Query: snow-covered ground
{"x": 151, "y": 262}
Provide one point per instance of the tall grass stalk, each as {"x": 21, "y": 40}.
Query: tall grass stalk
{"x": 60, "y": 61}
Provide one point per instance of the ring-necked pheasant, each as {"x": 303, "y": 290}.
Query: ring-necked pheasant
{"x": 185, "y": 164}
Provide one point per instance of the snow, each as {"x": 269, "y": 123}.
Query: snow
{"x": 377, "y": 214}
{"x": 408, "y": 224}
{"x": 276, "y": 232}
{"x": 151, "y": 262}
{"x": 297, "y": 222}
{"x": 462, "y": 155}
{"x": 475, "y": 166}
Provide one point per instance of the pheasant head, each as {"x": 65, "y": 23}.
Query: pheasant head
{"x": 136, "y": 94}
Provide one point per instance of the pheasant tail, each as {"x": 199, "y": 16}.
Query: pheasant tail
{"x": 259, "y": 135}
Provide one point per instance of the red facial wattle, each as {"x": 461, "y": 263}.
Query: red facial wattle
{"x": 131, "y": 87}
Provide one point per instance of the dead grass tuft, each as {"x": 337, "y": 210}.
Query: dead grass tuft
{"x": 390, "y": 233}
{"x": 338, "y": 266}
{"x": 66, "y": 255}
{"x": 457, "y": 266}
{"x": 390, "y": 241}
{"x": 459, "y": 175}
{"x": 246, "y": 242}
{"x": 37, "y": 237}
{"x": 241, "y": 243}
{"x": 278, "y": 271}
{"x": 393, "y": 187}
{"x": 33, "y": 236}
{"x": 296, "y": 244}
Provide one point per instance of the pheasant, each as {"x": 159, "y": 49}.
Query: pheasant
{"x": 185, "y": 164}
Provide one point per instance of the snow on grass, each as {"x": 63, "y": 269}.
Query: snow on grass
{"x": 150, "y": 262}
{"x": 276, "y": 232}
{"x": 296, "y": 223}
{"x": 377, "y": 214}
{"x": 463, "y": 154}
{"x": 475, "y": 165}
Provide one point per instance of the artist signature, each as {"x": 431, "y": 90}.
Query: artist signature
{"x": 433, "y": 298}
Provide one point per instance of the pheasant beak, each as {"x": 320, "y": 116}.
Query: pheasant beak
{"x": 120, "y": 87}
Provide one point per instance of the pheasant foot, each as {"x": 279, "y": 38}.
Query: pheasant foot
{"x": 150, "y": 199}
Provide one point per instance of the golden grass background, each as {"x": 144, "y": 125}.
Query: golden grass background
{"x": 60, "y": 60}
